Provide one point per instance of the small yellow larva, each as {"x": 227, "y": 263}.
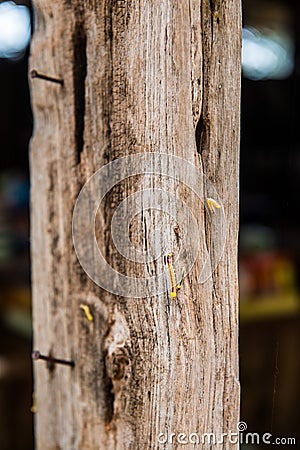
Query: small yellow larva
{"x": 212, "y": 204}
{"x": 172, "y": 275}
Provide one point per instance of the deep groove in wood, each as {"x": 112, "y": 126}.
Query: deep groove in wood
{"x": 79, "y": 74}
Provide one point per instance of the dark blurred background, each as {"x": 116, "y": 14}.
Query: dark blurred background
{"x": 269, "y": 262}
{"x": 269, "y": 258}
{"x": 16, "y": 429}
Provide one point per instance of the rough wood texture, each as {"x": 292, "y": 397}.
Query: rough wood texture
{"x": 138, "y": 76}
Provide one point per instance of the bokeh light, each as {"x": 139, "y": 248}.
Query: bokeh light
{"x": 15, "y": 30}
{"x": 267, "y": 54}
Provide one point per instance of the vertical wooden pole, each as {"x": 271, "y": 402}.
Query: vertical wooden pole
{"x": 139, "y": 76}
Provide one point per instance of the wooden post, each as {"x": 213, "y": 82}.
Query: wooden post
{"x": 137, "y": 77}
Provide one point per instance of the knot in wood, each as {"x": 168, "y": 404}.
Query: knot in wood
{"x": 117, "y": 363}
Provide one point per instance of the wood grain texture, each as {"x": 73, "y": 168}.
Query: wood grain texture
{"x": 138, "y": 76}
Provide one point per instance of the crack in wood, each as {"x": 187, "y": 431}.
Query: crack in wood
{"x": 79, "y": 76}
{"x": 202, "y": 134}
{"x": 108, "y": 393}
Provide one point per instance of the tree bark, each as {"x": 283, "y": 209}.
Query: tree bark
{"x": 139, "y": 77}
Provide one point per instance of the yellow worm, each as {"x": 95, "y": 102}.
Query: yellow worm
{"x": 172, "y": 275}
{"x": 212, "y": 204}
{"x": 87, "y": 311}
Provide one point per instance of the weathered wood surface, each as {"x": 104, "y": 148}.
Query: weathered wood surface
{"x": 138, "y": 76}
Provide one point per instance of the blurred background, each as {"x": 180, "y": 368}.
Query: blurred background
{"x": 269, "y": 252}
{"x": 16, "y": 429}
